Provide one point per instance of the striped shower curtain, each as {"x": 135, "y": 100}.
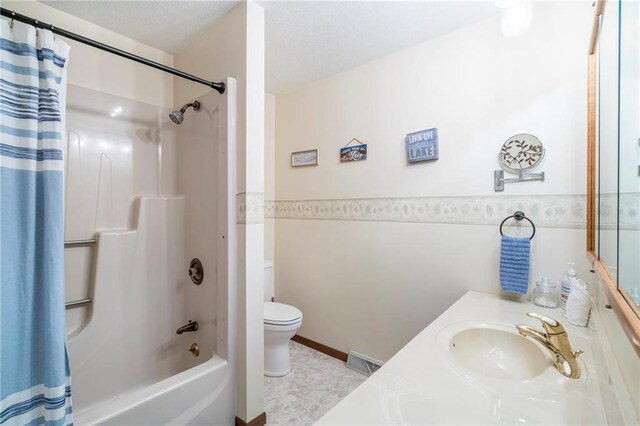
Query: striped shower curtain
{"x": 34, "y": 368}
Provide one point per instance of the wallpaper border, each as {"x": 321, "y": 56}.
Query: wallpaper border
{"x": 250, "y": 207}
{"x": 563, "y": 211}
{"x": 547, "y": 211}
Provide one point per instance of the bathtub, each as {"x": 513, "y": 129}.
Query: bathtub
{"x": 201, "y": 395}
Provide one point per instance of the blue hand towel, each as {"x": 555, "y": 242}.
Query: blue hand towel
{"x": 514, "y": 264}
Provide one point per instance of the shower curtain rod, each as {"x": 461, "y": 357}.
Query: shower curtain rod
{"x": 219, "y": 87}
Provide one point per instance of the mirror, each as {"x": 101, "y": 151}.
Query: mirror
{"x": 520, "y": 153}
{"x": 628, "y": 268}
{"x": 613, "y": 140}
{"x": 607, "y": 139}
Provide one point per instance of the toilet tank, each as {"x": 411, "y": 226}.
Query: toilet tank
{"x": 268, "y": 266}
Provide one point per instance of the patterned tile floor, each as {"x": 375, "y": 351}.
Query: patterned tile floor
{"x": 315, "y": 384}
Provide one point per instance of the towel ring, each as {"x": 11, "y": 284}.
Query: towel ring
{"x": 519, "y": 216}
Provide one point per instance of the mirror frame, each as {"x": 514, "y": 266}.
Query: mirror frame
{"x": 626, "y": 313}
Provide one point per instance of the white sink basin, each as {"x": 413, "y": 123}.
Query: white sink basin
{"x": 498, "y": 354}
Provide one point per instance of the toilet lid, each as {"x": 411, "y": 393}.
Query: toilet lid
{"x": 280, "y": 314}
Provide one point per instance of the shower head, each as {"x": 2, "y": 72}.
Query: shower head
{"x": 178, "y": 116}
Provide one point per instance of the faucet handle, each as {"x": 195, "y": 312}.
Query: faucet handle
{"x": 550, "y": 325}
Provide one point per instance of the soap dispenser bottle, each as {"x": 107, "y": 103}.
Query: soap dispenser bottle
{"x": 566, "y": 285}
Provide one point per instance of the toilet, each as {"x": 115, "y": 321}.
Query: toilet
{"x": 281, "y": 322}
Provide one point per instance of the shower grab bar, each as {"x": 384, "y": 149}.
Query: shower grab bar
{"x": 76, "y": 303}
{"x": 78, "y": 243}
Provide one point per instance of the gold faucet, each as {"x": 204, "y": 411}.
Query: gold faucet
{"x": 555, "y": 339}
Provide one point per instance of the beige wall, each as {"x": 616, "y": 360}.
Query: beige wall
{"x": 270, "y": 182}
{"x": 253, "y": 155}
{"x": 98, "y": 70}
{"x": 233, "y": 46}
{"x": 217, "y": 52}
{"x": 370, "y": 279}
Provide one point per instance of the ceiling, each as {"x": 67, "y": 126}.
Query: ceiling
{"x": 305, "y": 40}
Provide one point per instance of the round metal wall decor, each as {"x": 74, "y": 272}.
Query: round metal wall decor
{"x": 520, "y": 153}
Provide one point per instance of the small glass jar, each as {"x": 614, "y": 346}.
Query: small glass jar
{"x": 546, "y": 294}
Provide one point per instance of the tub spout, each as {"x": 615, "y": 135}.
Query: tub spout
{"x": 192, "y": 326}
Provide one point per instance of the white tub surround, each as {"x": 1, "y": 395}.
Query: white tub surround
{"x": 424, "y": 384}
{"x": 154, "y": 195}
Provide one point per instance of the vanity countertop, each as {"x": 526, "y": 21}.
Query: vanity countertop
{"x": 422, "y": 384}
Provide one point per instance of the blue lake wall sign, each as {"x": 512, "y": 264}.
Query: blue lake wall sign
{"x": 422, "y": 145}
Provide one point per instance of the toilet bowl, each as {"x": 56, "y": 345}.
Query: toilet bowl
{"x": 281, "y": 322}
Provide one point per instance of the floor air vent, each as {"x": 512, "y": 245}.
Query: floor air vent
{"x": 362, "y": 364}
